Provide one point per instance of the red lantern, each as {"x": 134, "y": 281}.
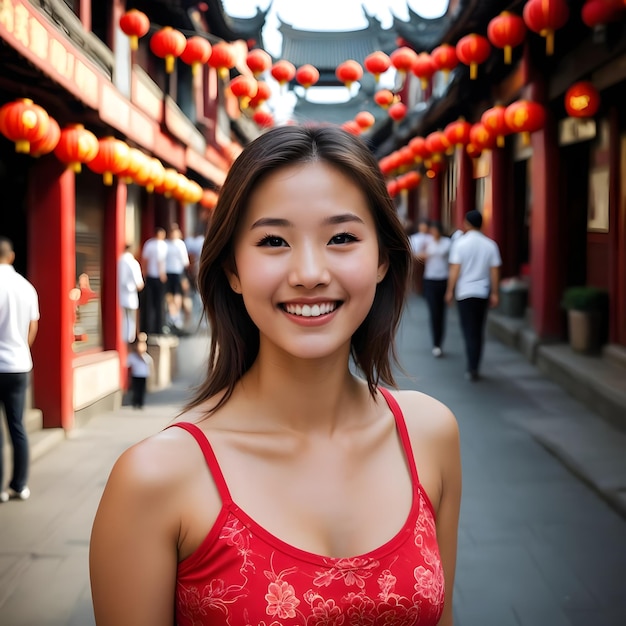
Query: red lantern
{"x": 23, "y": 121}
{"x": 409, "y": 181}
{"x": 420, "y": 150}
{"x": 263, "y": 93}
{"x": 168, "y": 43}
{"x": 424, "y": 67}
{"x": 208, "y": 199}
{"x": 493, "y": 120}
{"x": 222, "y": 58}
{"x": 134, "y": 24}
{"x": 307, "y": 75}
{"x": 525, "y": 117}
{"x": 168, "y": 183}
{"x": 397, "y": 111}
{"x": 258, "y": 61}
{"x": 437, "y": 143}
{"x": 473, "y": 151}
{"x": 364, "y": 119}
{"x": 48, "y": 142}
{"x": 406, "y": 158}
{"x": 349, "y": 72}
{"x": 262, "y": 118}
{"x": 402, "y": 59}
{"x": 393, "y": 188}
{"x": 156, "y": 174}
{"x": 112, "y": 158}
{"x": 506, "y": 31}
{"x": 582, "y": 100}
{"x": 244, "y": 88}
{"x": 351, "y": 127}
{"x": 544, "y": 17}
{"x": 481, "y": 137}
{"x": 384, "y": 98}
{"x": 458, "y": 133}
{"x": 283, "y": 71}
{"x": 377, "y": 63}
{"x": 136, "y": 167}
{"x": 597, "y": 12}
{"x": 196, "y": 53}
{"x": 76, "y": 145}
{"x": 445, "y": 58}
{"x": 473, "y": 50}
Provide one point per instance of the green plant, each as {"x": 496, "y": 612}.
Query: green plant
{"x": 585, "y": 299}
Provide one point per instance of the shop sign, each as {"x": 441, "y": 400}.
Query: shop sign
{"x": 574, "y": 130}
{"x": 28, "y": 32}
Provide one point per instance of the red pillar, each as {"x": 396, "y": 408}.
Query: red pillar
{"x": 435, "y": 198}
{"x": 466, "y": 190}
{"x": 501, "y": 204}
{"x": 52, "y": 266}
{"x": 546, "y": 281}
{"x": 114, "y": 241}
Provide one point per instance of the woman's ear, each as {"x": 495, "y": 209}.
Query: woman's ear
{"x": 233, "y": 279}
{"x": 383, "y": 266}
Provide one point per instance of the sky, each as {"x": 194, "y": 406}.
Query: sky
{"x": 328, "y": 14}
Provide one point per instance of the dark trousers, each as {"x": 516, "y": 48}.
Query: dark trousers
{"x": 473, "y": 315}
{"x": 138, "y": 389}
{"x": 153, "y": 306}
{"x": 13, "y": 396}
{"x": 434, "y": 294}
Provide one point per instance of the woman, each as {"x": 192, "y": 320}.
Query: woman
{"x": 435, "y": 259}
{"x": 287, "y": 491}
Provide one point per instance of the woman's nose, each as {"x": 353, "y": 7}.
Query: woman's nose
{"x": 309, "y": 268}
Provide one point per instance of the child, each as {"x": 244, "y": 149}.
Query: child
{"x": 287, "y": 491}
{"x": 140, "y": 364}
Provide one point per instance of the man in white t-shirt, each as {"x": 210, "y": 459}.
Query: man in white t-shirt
{"x": 19, "y": 315}
{"x": 177, "y": 285}
{"x": 474, "y": 281}
{"x": 130, "y": 283}
{"x": 418, "y": 242}
{"x": 153, "y": 257}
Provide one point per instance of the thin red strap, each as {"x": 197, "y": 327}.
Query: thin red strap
{"x": 209, "y": 457}
{"x": 404, "y": 433}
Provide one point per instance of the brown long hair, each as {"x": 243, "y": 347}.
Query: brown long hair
{"x": 234, "y": 337}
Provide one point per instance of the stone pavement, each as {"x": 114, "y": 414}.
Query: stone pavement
{"x": 539, "y": 544}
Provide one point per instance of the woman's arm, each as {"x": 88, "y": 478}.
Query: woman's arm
{"x": 133, "y": 550}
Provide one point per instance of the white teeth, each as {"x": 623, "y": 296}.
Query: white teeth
{"x": 314, "y": 310}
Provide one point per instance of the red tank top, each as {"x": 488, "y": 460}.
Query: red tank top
{"x": 241, "y": 575}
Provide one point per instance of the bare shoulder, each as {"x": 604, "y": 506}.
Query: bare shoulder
{"x": 427, "y": 417}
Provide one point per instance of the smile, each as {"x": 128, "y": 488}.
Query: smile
{"x": 311, "y": 310}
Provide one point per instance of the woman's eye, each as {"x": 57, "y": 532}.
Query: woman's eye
{"x": 343, "y": 238}
{"x": 272, "y": 241}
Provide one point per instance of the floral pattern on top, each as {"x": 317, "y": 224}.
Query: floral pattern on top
{"x": 242, "y": 577}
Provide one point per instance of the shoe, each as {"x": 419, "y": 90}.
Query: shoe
{"x": 472, "y": 375}
{"x": 437, "y": 352}
{"x": 4, "y": 496}
{"x": 19, "y": 495}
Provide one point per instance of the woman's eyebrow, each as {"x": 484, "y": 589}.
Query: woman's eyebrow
{"x": 342, "y": 218}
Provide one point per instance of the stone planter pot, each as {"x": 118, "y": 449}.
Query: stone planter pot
{"x": 585, "y": 331}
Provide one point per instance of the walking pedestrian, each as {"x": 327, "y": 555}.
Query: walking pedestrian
{"x": 19, "y": 322}
{"x": 140, "y": 364}
{"x": 474, "y": 280}
{"x": 435, "y": 259}
{"x": 130, "y": 282}
{"x": 287, "y": 490}
{"x": 418, "y": 241}
{"x": 176, "y": 264}
{"x": 153, "y": 255}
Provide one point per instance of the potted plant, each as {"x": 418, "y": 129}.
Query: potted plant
{"x": 587, "y": 313}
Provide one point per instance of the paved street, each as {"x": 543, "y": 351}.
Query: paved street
{"x": 537, "y": 546}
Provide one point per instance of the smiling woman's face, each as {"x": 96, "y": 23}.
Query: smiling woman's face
{"x": 307, "y": 260}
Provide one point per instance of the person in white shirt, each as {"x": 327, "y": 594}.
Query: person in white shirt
{"x": 474, "y": 281}
{"x": 418, "y": 242}
{"x": 130, "y": 283}
{"x": 153, "y": 257}
{"x": 176, "y": 263}
{"x": 435, "y": 283}
{"x": 19, "y": 315}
